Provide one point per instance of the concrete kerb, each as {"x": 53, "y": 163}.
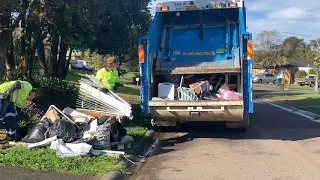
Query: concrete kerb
{"x": 309, "y": 115}
{"x": 134, "y": 158}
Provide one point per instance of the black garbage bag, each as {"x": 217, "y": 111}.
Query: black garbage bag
{"x": 103, "y": 119}
{"x": 21, "y": 133}
{"x": 66, "y": 130}
{"x": 37, "y": 133}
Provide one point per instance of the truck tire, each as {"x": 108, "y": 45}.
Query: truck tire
{"x": 240, "y": 126}
{"x": 260, "y": 81}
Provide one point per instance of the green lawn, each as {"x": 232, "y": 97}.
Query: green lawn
{"x": 301, "y": 97}
{"x": 46, "y": 159}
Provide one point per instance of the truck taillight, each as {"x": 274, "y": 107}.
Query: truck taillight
{"x": 249, "y": 50}
{"x": 233, "y": 4}
{"x": 141, "y": 54}
{"x": 164, "y": 8}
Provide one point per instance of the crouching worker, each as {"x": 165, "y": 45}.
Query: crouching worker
{"x": 109, "y": 75}
{"x": 14, "y": 96}
{"x": 119, "y": 135}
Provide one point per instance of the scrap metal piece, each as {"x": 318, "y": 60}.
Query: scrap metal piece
{"x": 92, "y": 99}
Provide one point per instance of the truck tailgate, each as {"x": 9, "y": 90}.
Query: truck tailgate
{"x": 217, "y": 110}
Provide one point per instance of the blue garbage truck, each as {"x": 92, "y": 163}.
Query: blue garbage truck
{"x": 189, "y": 43}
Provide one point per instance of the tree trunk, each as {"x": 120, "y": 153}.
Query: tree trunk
{"x": 65, "y": 72}
{"x": 54, "y": 53}
{"x": 23, "y": 57}
{"x": 42, "y": 57}
{"x": 4, "y": 40}
{"x": 10, "y": 64}
{"x": 62, "y": 59}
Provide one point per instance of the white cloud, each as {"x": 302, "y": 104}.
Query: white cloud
{"x": 289, "y": 13}
{"x": 296, "y": 16}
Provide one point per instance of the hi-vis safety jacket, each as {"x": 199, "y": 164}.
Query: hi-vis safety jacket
{"x": 18, "y": 97}
{"x": 108, "y": 77}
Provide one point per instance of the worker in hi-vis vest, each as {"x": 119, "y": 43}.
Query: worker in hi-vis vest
{"x": 109, "y": 75}
{"x": 14, "y": 96}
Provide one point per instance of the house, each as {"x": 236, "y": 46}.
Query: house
{"x": 75, "y": 55}
{"x": 287, "y": 71}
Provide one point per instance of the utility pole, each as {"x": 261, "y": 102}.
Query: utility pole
{"x": 317, "y": 58}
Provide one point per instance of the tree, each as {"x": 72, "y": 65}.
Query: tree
{"x": 120, "y": 25}
{"x": 103, "y": 26}
{"x": 7, "y": 26}
{"x": 269, "y": 49}
{"x": 312, "y": 71}
{"x": 267, "y": 40}
{"x": 300, "y": 74}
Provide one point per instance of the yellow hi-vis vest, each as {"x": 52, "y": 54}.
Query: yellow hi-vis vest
{"x": 108, "y": 77}
{"x": 18, "y": 97}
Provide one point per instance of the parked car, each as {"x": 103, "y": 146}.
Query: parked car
{"x": 81, "y": 65}
{"x": 311, "y": 81}
{"x": 86, "y": 66}
{"x": 75, "y": 64}
{"x": 265, "y": 78}
{"x": 308, "y": 80}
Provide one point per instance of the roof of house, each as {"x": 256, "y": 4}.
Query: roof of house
{"x": 291, "y": 63}
{"x": 299, "y": 63}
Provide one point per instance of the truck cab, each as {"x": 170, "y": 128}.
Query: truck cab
{"x": 189, "y": 44}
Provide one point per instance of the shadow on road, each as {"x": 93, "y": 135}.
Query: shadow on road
{"x": 267, "y": 123}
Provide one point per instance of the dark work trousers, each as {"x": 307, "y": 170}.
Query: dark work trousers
{"x": 9, "y": 115}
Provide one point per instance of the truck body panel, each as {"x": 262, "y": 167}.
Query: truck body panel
{"x": 197, "y": 37}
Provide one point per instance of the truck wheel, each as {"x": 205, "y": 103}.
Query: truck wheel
{"x": 311, "y": 84}
{"x": 260, "y": 81}
{"x": 240, "y": 126}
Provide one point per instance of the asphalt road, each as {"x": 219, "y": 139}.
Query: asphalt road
{"x": 20, "y": 173}
{"x": 278, "y": 146}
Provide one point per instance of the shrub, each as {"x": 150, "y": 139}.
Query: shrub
{"x": 300, "y": 74}
{"x": 131, "y": 66}
{"x": 312, "y": 71}
{"x": 54, "y": 91}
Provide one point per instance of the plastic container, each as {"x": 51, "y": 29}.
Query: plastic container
{"x": 186, "y": 94}
{"x": 166, "y": 91}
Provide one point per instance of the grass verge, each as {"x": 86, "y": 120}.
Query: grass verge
{"x": 301, "y": 97}
{"x": 46, "y": 159}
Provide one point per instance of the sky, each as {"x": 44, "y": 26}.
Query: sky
{"x": 295, "y": 16}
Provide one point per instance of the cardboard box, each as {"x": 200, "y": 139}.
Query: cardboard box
{"x": 200, "y": 87}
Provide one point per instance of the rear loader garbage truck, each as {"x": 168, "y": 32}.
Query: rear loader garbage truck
{"x": 196, "y": 64}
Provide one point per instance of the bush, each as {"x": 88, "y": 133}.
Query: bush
{"x": 300, "y": 74}
{"x": 131, "y": 66}
{"x": 54, "y": 91}
{"x": 312, "y": 71}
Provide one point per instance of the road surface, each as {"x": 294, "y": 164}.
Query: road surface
{"x": 278, "y": 146}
